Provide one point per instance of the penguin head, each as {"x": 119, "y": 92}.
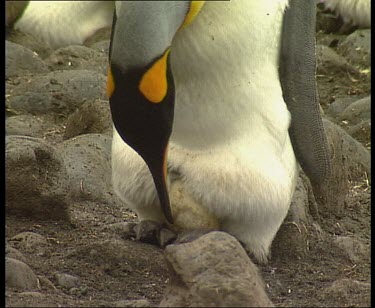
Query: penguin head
{"x": 140, "y": 83}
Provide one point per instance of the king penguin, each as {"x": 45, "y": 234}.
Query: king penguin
{"x": 213, "y": 103}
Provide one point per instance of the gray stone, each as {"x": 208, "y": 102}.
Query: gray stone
{"x": 300, "y": 201}
{"x": 67, "y": 281}
{"x": 29, "y": 242}
{"x": 29, "y": 41}
{"x": 21, "y": 61}
{"x": 357, "y": 111}
{"x": 14, "y": 253}
{"x": 91, "y": 117}
{"x": 338, "y": 106}
{"x": 88, "y": 162}
{"x": 353, "y": 248}
{"x": 331, "y": 63}
{"x": 78, "y": 58}
{"x": 361, "y": 132}
{"x": 59, "y": 92}
{"x": 212, "y": 271}
{"x": 29, "y": 125}
{"x": 290, "y": 242}
{"x": 350, "y": 291}
{"x": 350, "y": 161}
{"x": 356, "y": 48}
{"x": 19, "y": 275}
{"x": 102, "y": 46}
{"x": 330, "y": 40}
{"x": 36, "y": 179}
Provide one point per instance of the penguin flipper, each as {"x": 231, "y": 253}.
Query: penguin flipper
{"x": 297, "y": 75}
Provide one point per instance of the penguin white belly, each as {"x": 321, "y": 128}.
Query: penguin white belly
{"x": 62, "y": 23}
{"x": 230, "y": 143}
{"x": 357, "y": 12}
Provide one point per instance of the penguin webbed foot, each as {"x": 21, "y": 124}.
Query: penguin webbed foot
{"x": 150, "y": 232}
{"x": 157, "y": 233}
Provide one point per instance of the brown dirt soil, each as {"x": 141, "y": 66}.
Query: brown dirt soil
{"x": 113, "y": 269}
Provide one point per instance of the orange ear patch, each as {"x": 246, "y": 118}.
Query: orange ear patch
{"x": 153, "y": 84}
{"x": 195, "y": 7}
{"x": 110, "y": 83}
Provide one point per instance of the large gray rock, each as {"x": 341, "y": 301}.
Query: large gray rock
{"x": 78, "y": 58}
{"x": 19, "y": 275}
{"x": 290, "y": 242}
{"x": 14, "y": 253}
{"x": 29, "y": 41}
{"x": 66, "y": 281}
{"x": 338, "y": 106}
{"x": 91, "y": 117}
{"x": 335, "y": 76}
{"x": 357, "y": 111}
{"x": 350, "y": 161}
{"x": 102, "y": 46}
{"x": 356, "y": 119}
{"x": 353, "y": 292}
{"x": 88, "y": 161}
{"x": 361, "y": 132}
{"x": 353, "y": 248}
{"x": 36, "y": 179}
{"x": 331, "y": 63}
{"x": 354, "y": 115}
{"x": 59, "y": 92}
{"x": 29, "y": 242}
{"x": 356, "y": 48}
{"x": 213, "y": 271}
{"x": 21, "y": 61}
{"x": 30, "y": 125}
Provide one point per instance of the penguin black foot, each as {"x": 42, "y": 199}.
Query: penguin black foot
{"x": 150, "y": 232}
{"x": 156, "y": 233}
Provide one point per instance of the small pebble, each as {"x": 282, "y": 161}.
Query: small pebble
{"x": 67, "y": 281}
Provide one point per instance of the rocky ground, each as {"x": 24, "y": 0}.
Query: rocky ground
{"x": 67, "y": 237}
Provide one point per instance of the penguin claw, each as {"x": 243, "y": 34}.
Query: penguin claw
{"x": 146, "y": 231}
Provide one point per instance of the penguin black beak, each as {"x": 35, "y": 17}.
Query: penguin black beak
{"x": 140, "y": 83}
{"x": 144, "y": 118}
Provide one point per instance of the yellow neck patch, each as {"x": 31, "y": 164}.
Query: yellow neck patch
{"x": 153, "y": 84}
{"x": 110, "y": 83}
{"x": 195, "y": 7}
